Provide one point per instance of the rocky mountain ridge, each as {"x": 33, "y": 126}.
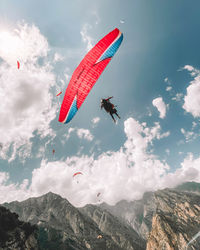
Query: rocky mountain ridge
{"x": 73, "y": 228}
{"x": 165, "y": 219}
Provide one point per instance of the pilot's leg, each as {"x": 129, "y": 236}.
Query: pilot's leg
{"x": 117, "y": 115}
{"x": 115, "y": 112}
{"x": 112, "y": 117}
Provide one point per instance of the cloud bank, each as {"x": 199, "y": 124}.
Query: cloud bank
{"x": 124, "y": 174}
{"x": 26, "y": 100}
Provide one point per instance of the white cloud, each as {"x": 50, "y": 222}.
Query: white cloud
{"x": 192, "y": 98}
{"x": 192, "y": 70}
{"x": 84, "y": 134}
{"x": 154, "y": 132}
{"x": 26, "y": 105}
{"x": 87, "y": 38}
{"x": 167, "y": 151}
{"x": 58, "y": 57}
{"x": 168, "y": 88}
{"x": 177, "y": 97}
{"x": 166, "y": 79}
{"x": 95, "y": 120}
{"x": 81, "y": 133}
{"x": 116, "y": 174}
{"x": 160, "y": 105}
{"x": 124, "y": 174}
{"x": 12, "y": 192}
{"x": 97, "y": 18}
{"x": 194, "y": 125}
{"x": 189, "y": 135}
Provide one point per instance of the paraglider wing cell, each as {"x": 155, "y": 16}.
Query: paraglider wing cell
{"x": 87, "y": 73}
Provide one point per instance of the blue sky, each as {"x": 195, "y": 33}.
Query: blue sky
{"x": 154, "y": 78}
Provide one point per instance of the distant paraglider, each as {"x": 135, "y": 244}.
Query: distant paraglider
{"x": 18, "y": 64}
{"x": 76, "y": 174}
{"x": 87, "y": 73}
{"x": 53, "y": 151}
{"x": 59, "y": 93}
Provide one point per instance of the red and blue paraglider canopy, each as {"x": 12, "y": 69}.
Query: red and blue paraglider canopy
{"x": 87, "y": 73}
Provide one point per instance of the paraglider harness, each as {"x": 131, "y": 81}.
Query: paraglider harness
{"x": 109, "y": 107}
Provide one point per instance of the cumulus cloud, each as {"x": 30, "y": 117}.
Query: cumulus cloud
{"x": 192, "y": 97}
{"x": 95, "y": 120}
{"x": 160, "y": 105}
{"x": 168, "y": 88}
{"x": 10, "y": 192}
{"x": 58, "y": 57}
{"x": 177, "y": 97}
{"x": 84, "y": 134}
{"x": 81, "y": 133}
{"x": 86, "y": 37}
{"x": 26, "y": 101}
{"x": 189, "y": 171}
{"x": 124, "y": 174}
{"x": 189, "y": 135}
{"x": 166, "y": 79}
{"x": 191, "y": 69}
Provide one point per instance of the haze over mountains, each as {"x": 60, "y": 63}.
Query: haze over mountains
{"x": 166, "y": 219}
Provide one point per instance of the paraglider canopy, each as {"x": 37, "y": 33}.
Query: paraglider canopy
{"x": 87, "y": 73}
{"x": 59, "y": 93}
{"x": 76, "y": 174}
{"x": 18, "y": 64}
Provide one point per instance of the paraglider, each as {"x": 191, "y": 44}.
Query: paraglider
{"x": 18, "y": 64}
{"x": 53, "y": 151}
{"x": 87, "y": 73}
{"x": 109, "y": 107}
{"x": 76, "y": 174}
{"x": 59, "y": 93}
{"x": 98, "y": 194}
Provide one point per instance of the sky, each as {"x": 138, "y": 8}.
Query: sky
{"x": 154, "y": 79}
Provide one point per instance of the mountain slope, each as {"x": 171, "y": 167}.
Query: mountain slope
{"x": 167, "y": 219}
{"x": 121, "y": 233}
{"x": 176, "y": 220}
{"x": 72, "y": 228}
{"x": 15, "y": 234}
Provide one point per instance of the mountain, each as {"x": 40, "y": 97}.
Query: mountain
{"x": 62, "y": 226}
{"x": 191, "y": 187}
{"x": 15, "y": 234}
{"x": 138, "y": 214}
{"x": 165, "y": 219}
{"x": 121, "y": 233}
